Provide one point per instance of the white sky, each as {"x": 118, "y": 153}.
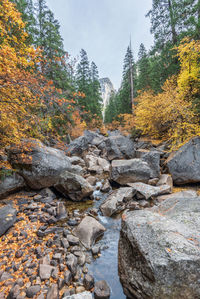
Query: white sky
{"x": 103, "y": 28}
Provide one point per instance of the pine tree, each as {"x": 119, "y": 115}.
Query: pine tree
{"x": 143, "y": 66}
{"x": 127, "y": 90}
{"x": 96, "y": 100}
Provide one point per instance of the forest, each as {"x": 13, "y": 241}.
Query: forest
{"x": 47, "y": 94}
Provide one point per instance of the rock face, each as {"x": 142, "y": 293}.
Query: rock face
{"x": 117, "y": 201}
{"x": 88, "y": 231}
{"x": 106, "y": 91}
{"x": 159, "y": 254}
{"x": 38, "y": 164}
{"x": 11, "y": 184}
{"x": 184, "y": 165}
{"x": 7, "y": 218}
{"x": 130, "y": 171}
{"x": 73, "y": 186}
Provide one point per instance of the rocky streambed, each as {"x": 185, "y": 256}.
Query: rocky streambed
{"x": 64, "y": 214}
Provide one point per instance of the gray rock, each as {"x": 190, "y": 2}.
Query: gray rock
{"x": 61, "y": 212}
{"x": 72, "y": 263}
{"x": 67, "y": 277}
{"x": 165, "y": 179}
{"x": 180, "y": 194}
{"x": 130, "y": 171}
{"x": 73, "y": 186}
{"x": 77, "y": 161}
{"x": 72, "y": 240}
{"x": 88, "y": 231}
{"x": 7, "y": 218}
{"x": 38, "y": 164}
{"x": 147, "y": 191}
{"x": 184, "y": 165}
{"x": 45, "y": 271}
{"x": 11, "y": 184}
{"x": 84, "y": 295}
{"x": 32, "y": 291}
{"x": 159, "y": 252}
{"x": 101, "y": 290}
{"x": 153, "y": 160}
{"x": 53, "y": 292}
{"x": 118, "y": 147}
{"x": 117, "y": 201}
{"x": 78, "y": 146}
{"x": 88, "y": 282}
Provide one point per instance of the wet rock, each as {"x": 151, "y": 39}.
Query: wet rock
{"x": 106, "y": 187}
{"x": 130, "y": 171}
{"x": 184, "y": 165}
{"x": 88, "y": 231}
{"x": 45, "y": 271}
{"x": 146, "y": 191}
{"x": 73, "y": 186}
{"x": 158, "y": 251}
{"x": 101, "y": 290}
{"x": 38, "y": 164}
{"x": 11, "y": 184}
{"x": 117, "y": 201}
{"x": 7, "y": 218}
{"x": 88, "y": 282}
{"x": 32, "y": 291}
{"x": 96, "y": 249}
{"x": 53, "y": 292}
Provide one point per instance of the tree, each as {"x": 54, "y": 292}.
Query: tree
{"x": 143, "y": 67}
{"x": 96, "y": 100}
{"x": 127, "y": 90}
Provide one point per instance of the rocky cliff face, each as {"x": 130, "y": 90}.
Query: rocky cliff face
{"x": 107, "y": 89}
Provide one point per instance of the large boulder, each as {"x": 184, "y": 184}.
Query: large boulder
{"x": 118, "y": 147}
{"x": 130, "y": 171}
{"x": 159, "y": 253}
{"x": 184, "y": 165}
{"x": 117, "y": 201}
{"x": 153, "y": 160}
{"x": 7, "y": 218}
{"x": 10, "y": 184}
{"x": 79, "y": 145}
{"x": 38, "y": 164}
{"x": 88, "y": 231}
{"x": 147, "y": 191}
{"x": 73, "y": 186}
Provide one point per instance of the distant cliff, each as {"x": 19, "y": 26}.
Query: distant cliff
{"x": 107, "y": 89}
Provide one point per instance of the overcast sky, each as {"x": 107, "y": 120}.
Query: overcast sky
{"x": 103, "y": 29}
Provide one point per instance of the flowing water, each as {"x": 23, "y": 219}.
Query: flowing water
{"x": 105, "y": 267}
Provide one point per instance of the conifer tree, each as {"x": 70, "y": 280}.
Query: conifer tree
{"x": 143, "y": 80}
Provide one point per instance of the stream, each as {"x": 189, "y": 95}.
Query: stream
{"x": 104, "y": 267}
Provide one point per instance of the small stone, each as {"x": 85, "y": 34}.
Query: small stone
{"x": 72, "y": 240}
{"x": 32, "y": 291}
{"x": 72, "y": 263}
{"x": 53, "y": 292}
{"x": 45, "y": 271}
{"x": 61, "y": 283}
{"x": 88, "y": 282}
{"x": 96, "y": 249}
{"x": 80, "y": 289}
{"x": 18, "y": 253}
{"x": 67, "y": 277}
{"x": 101, "y": 290}
{"x": 64, "y": 243}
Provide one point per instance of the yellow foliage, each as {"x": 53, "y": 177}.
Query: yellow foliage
{"x": 166, "y": 115}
